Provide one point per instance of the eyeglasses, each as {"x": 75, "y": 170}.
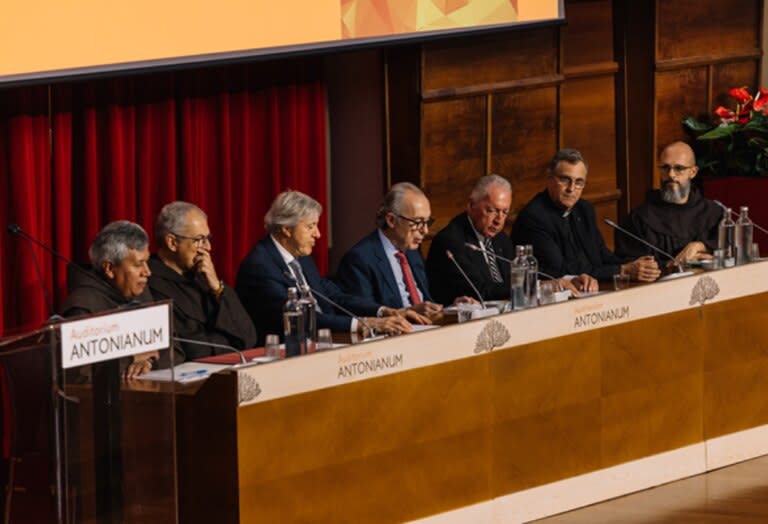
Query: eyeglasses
{"x": 418, "y": 223}
{"x": 199, "y": 240}
{"x": 677, "y": 168}
{"x": 566, "y": 181}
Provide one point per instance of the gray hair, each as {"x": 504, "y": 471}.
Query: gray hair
{"x": 480, "y": 189}
{"x": 290, "y": 208}
{"x": 572, "y": 156}
{"x": 115, "y": 241}
{"x": 393, "y": 201}
{"x": 172, "y": 218}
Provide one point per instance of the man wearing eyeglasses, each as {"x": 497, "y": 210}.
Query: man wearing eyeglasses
{"x": 563, "y": 231}
{"x": 204, "y": 308}
{"x": 675, "y": 217}
{"x": 482, "y": 225}
{"x": 386, "y": 266}
{"x": 282, "y": 260}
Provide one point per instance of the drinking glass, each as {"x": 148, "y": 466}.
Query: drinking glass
{"x": 547, "y": 291}
{"x": 324, "y": 339}
{"x": 272, "y": 347}
{"x": 620, "y": 282}
{"x": 754, "y": 252}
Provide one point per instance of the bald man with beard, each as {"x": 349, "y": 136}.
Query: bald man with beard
{"x": 676, "y": 217}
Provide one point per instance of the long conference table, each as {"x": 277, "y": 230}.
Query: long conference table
{"x": 501, "y": 419}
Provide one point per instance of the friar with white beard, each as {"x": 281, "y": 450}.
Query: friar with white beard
{"x": 675, "y": 217}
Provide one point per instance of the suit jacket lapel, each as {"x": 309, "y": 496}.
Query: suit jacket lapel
{"x": 385, "y": 268}
{"x": 277, "y": 259}
{"x": 417, "y": 268}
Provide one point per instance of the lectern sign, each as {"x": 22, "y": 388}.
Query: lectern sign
{"x": 118, "y": 335}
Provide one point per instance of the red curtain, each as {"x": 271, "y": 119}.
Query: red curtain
{"x": 76, "y": 156}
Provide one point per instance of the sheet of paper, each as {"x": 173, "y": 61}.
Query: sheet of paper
{"x": 186, "y": 372}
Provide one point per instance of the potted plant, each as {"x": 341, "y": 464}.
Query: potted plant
{"x": 732, "y": 152}
{"x": 737, "y": 142}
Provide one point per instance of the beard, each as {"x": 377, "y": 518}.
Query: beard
{"x": 675, "y": 192}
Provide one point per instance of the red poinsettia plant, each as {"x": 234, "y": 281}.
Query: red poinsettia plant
{"x": 737, "y": 142}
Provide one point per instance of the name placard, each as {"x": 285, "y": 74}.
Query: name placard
{"x": 114, "y": 336}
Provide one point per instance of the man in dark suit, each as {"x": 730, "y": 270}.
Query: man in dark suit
{"x": 482, "y": 224}
{"x": 282, "y": 260}
{"x": 386, "y": 266}
{"x": 563, "y": 231}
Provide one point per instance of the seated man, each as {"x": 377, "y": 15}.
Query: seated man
{"x": 386, "y": 266}
{"x": 562, "y": 229}
{"x": 119, "y": 256}
{"x": 204, "y": 309}
{"x": 482, "y": 225}
{"x": 282, "y": 259}
{"x": 674, "y": 218}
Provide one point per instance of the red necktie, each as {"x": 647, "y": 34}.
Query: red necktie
{"x": 410, "y": 284}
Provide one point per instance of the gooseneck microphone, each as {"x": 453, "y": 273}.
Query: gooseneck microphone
{"x": 341, "y": 308}
{"x": 464, "y": 274}
{"x": 213, "y": 345}
{"x": 614, "y": 225}
{"x": 735, "y": 214}
{"x": 15, "y": 229}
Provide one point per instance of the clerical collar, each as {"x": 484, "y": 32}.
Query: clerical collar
{"x": 566, "y": 213}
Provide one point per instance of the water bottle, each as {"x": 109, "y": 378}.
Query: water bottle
{"x": 531, "y": 278}
{"x": 309, "y": 310}
{"x": 293, "y": 324}
{"x": 518, "y": 271}
{"x": 726, "y": 240}
{"x": 744, "y": 229}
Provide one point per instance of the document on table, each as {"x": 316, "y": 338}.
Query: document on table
{"x": 186, "y": 372}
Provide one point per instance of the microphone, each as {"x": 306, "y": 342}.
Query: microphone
{"x": 644, "y": 242}
{"x": 213, "y": 345}
{"x": 734, "y": 213}
{"x": 472, "y": 285}
{"x": 15, "y": 229}
{"x": 341, "y": 308}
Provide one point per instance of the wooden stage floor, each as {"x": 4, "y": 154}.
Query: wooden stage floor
{"x": 737, "y": 493}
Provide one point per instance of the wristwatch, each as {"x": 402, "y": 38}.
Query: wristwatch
{"x": 217, "y": 292}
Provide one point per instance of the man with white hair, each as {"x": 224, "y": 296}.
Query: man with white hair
{"x": 675, "y": 217}
{"x": 282, "y": 259}
{"x": 482, "y": 225}
{"x": 204, "y": 308}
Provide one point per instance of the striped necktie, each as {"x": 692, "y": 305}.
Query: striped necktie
{"x": 492, "y": 265}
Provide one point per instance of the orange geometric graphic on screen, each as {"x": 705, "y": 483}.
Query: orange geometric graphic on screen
{"x": 364, "y": 18}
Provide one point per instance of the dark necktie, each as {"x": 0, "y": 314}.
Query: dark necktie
{"x": 410, "y": 283}
{"x": 492, "y": 265}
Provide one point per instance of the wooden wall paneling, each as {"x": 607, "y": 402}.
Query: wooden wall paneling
{"x": 634, "y": 39}
{"x": 707, "y": 28}
{"x": 680, "y": 92}
{"x": 525, "y": 135}
{"x": 403, "y": 115}
{"x": 486, "y": 62}
{"x": 588, "y": 124}
{"x": 732, "y": 74}
{"x": 588, "y": 35}
{"x": 453, "y": 152}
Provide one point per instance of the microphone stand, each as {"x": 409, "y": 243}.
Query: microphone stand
{"x": 461, "y": 270}
{"x": 213, "y": 345}
{"x": 646, "y": 243}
